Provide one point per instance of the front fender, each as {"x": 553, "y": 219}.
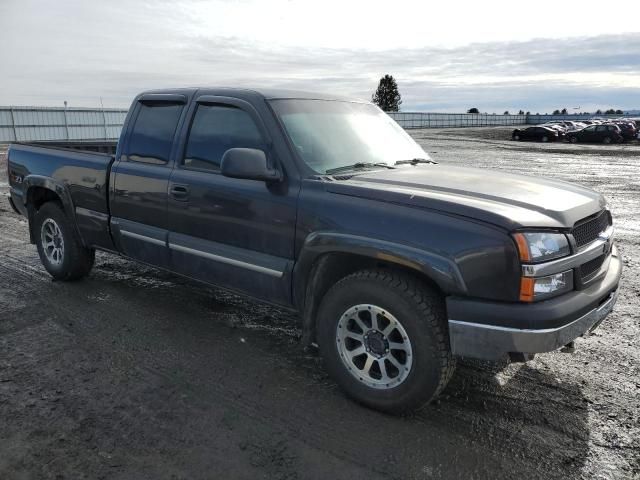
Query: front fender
{"x": 440, "y": 269}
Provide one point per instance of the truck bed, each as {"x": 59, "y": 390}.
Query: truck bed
{"x": 84, "y": 173}
{"x": 79, "y": 178}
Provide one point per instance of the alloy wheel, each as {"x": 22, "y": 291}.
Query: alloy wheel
{"x": 374, "y": 346}
{"x": 52, "y": 241}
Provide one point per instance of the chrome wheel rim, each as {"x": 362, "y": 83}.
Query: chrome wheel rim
{"x": 374, "y": 346}
{"x": 52, "y": 241}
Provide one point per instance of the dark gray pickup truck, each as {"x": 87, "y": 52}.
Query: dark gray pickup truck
{"x": 326, "y": 206}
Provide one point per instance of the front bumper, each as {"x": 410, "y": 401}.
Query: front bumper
{"x": 571, "y": 316}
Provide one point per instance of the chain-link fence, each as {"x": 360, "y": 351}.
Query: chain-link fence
{"x": 32, "y": 124}
{"x": 38, "y": 124}
{"x": 443, "y": 120}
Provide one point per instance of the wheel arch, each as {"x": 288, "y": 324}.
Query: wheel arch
{"x": 327, "y": 257}
{"x": 40, "y": 190}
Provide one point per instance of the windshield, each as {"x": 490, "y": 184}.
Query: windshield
{"x": 333, "y": 134}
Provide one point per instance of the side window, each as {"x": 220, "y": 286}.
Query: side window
{"x": 152, "y": 134}
{"x": 601, "y": 128}
{"x": 216, "y": 129}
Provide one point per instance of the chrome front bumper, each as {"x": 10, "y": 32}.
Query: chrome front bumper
{"x": 493, "y": 342}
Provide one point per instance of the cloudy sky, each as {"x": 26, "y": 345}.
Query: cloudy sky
{"x": 446, "y": 56}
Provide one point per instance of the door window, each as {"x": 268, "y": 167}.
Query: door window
{"x": 153, "y": 132}
{"x": 216, "y": 129}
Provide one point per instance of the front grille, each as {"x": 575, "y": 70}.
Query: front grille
{"x": 589, "y": 269}
{"x": 587, "y": 231}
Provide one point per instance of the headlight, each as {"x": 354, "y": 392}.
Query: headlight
{"x": 536, "y": 247}
{"x": 545, "y": 287}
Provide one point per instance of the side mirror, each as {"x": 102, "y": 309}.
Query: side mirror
{"x": 248, "y": 163}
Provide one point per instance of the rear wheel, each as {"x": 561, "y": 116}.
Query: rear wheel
{"x": 545, "y": 139}
{"x": 60, "y": 250}
{"x": 606, "y": 140}
{"x": 573, "y": 139}
{"x": 383, "y": 337}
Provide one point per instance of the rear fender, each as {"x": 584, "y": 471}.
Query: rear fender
{"x": 59, "y": 189}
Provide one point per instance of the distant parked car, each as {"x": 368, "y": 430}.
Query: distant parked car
{"x": 541, "y": 134}
{"x": 596, "y": 133}
{"x": 558, "y": 127}
{"x": 628, "y": 130}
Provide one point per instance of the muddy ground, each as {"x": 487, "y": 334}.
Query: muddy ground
{"x": 134, "y": 373}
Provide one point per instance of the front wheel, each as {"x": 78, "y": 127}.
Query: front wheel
{"x": 607, "y": 140}
{"x": 545, "y": 139}
{"x": 60, "y": 250}
{"x": 383, "y": 336}
{"x": 574, "y": 140}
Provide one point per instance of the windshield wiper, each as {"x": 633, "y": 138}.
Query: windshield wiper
{"x": 415, "y": 161}
{"x": 357, "y": 166}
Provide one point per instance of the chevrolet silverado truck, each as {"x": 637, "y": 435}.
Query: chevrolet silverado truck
{"x": 395, "y": 264}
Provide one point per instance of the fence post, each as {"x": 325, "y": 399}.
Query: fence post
{"x": 66, "y": 121}
{"x": 104, "y": 121}
{"x": 13, "y": 124}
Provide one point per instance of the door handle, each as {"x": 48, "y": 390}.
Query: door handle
{"x": 179, "y": 192}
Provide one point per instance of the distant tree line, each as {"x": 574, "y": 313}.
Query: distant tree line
{"x": 388, "y": 98}
{"x": 563, "y": 111}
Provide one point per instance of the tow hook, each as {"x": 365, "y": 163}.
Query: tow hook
{"x": 520, "y": 357}
{"x": 569, "y": 348}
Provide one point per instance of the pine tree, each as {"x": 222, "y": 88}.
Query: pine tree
{"x": 473, "y": 110}
{"x": 387, "y": 96}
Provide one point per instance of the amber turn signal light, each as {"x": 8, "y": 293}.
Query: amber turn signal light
{"x": 527, "y": 285}
{"x": 523, "y": 247}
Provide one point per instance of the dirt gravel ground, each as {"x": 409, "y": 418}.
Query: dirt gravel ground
{"x": 136, "y": 374}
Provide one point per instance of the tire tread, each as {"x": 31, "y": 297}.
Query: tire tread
{"x": 81, "y": 259}
{"x": 430, "y": 309}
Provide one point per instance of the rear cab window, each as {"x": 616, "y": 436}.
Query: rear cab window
{"x": 152, "y": 135}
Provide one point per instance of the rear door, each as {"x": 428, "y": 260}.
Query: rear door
{"x": 235, "y": 233}
{"x": 140, "y": 178}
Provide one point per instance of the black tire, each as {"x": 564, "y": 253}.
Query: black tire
{"x": 420, "y": 311}
{"x": 606, "y": 140}
{"x": 516, "y": 137}
{"x": 545, "y": 139}
{"x": 75, "y": 261}
{"x": 573, "y": 139}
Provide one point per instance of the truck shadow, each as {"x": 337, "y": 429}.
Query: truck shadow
{"x": 492, "y": 421}
{"x": 522, "y": 410}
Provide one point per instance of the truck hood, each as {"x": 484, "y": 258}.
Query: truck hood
{"x": 507, "y": 200}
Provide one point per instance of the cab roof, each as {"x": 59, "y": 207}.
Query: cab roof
{"x": 266, "y": 93}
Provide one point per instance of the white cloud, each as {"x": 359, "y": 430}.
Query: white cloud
{"x": 444, "y": 56}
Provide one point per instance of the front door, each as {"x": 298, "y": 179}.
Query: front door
{"x": 588, "y": 134}
{"x": 235, "y": 233}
